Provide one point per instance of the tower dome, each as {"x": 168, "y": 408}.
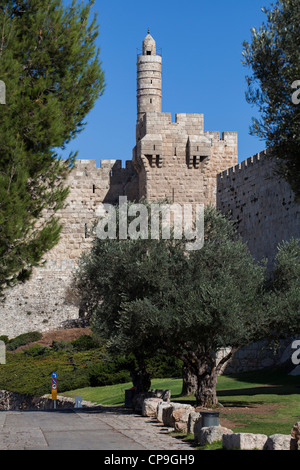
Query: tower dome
{"x": 148, "y": 78}
{"x": 149, "y": 45}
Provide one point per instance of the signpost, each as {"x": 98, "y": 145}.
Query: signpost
{"x": 54, "y": 389}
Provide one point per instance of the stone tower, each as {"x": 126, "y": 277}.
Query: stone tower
{"x": 148, "y": 78}
{"x": 178, "y": 161}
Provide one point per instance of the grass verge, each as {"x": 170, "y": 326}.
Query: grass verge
{"x": 266, "y": 402}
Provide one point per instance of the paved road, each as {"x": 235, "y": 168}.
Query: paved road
{"x": 84, "y": 430}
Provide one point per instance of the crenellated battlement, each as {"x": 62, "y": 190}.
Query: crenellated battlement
{"x": 89, "y": 168}
{"x": 257, "y": 159}
{"x": 178, "y": 159}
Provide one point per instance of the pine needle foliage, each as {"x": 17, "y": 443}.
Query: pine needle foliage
{"x": 50, "y": 65}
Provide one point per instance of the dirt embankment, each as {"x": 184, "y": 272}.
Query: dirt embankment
{"x": 58, "y": 335}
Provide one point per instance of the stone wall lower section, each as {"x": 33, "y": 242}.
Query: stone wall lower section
{"x": 11, "y": 401}
{"x": 45, "y": 302}
{"x": 259, "y": 355}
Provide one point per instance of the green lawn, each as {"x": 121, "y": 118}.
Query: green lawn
{"x": 265, "y": 402}
{"x": 113, "y": 395}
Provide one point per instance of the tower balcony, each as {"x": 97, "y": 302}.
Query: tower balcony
{"x": 139, "y": 53}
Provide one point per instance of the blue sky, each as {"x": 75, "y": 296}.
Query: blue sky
{"x": 201, "y": 44}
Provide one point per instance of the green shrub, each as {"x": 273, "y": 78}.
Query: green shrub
{"x": 23, "y": 339}
{"x": 62, "y": 345}
{"x": 84, "y": 343}
{"x": 30, "y": 374}
{"x": 37, "y": 350}
{"x": 117, "y": 369}
{"x": 161, "y": 366}
{"x": 78, "y": 364}
{"x": 101, "y": 374}
{"x": 4, "y": 338}
{"x": 70, "y": 380}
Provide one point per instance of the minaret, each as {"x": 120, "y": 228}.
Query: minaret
{"x": 148, "y": 78}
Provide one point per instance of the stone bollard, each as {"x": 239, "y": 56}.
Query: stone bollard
{"x": 193, "y": 417}
{"x": 210, "y": 434}
{"x": 160, "y": 408}
{"x": 176, "y": 416}
{"x": 197, "y": 426}
{"x": 295, "y": 433}
{"x": 279, "y": 442}
{"x": 244, "y": 441}
{"x": 181, "y": 417}
{"x": 165, "y": 395}
{"x": 149, "y": 407}
{"x": 138, "y": 398}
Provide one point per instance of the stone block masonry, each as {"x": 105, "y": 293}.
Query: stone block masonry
{"x": 263, "y": 207}
{"x": 261, "y": 204}
{"x": 46, "y": 302}
{"x": 179, "y": 160}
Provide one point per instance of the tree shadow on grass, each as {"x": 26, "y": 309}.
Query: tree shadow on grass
{"x": 272, "y": 376}
{"x": 266, "y": 390}
{"x": 267, "y": 382}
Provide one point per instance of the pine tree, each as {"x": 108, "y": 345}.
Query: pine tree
{"x": 51, "y": 68}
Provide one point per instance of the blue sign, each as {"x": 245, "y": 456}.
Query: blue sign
{"x": 54, "y": 375}
{"x": 54, "y": 381}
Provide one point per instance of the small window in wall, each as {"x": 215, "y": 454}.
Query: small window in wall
{"x": 151, "y": 100}
{"x": 148, "y": 52}
{"x": 85, "y": 231}
{"x": 196, "y": 161}
{"x": 149, "y": 158}
{"x": 94, "y": 188}
{"x": 85, "y": 172}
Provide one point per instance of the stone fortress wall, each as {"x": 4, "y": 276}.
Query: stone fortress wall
{"x": 261, "y": 204}
{"x": 263, "y": 207}
{"x": 177, "y": 160}
{"x": 45, "y": 302}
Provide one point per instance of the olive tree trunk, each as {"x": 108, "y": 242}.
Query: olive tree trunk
{"x": 189, "y": 381}
{"x": 206, "y": 392}
{"x": 205, "y": 370}
{"x": 141, "y": 378}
